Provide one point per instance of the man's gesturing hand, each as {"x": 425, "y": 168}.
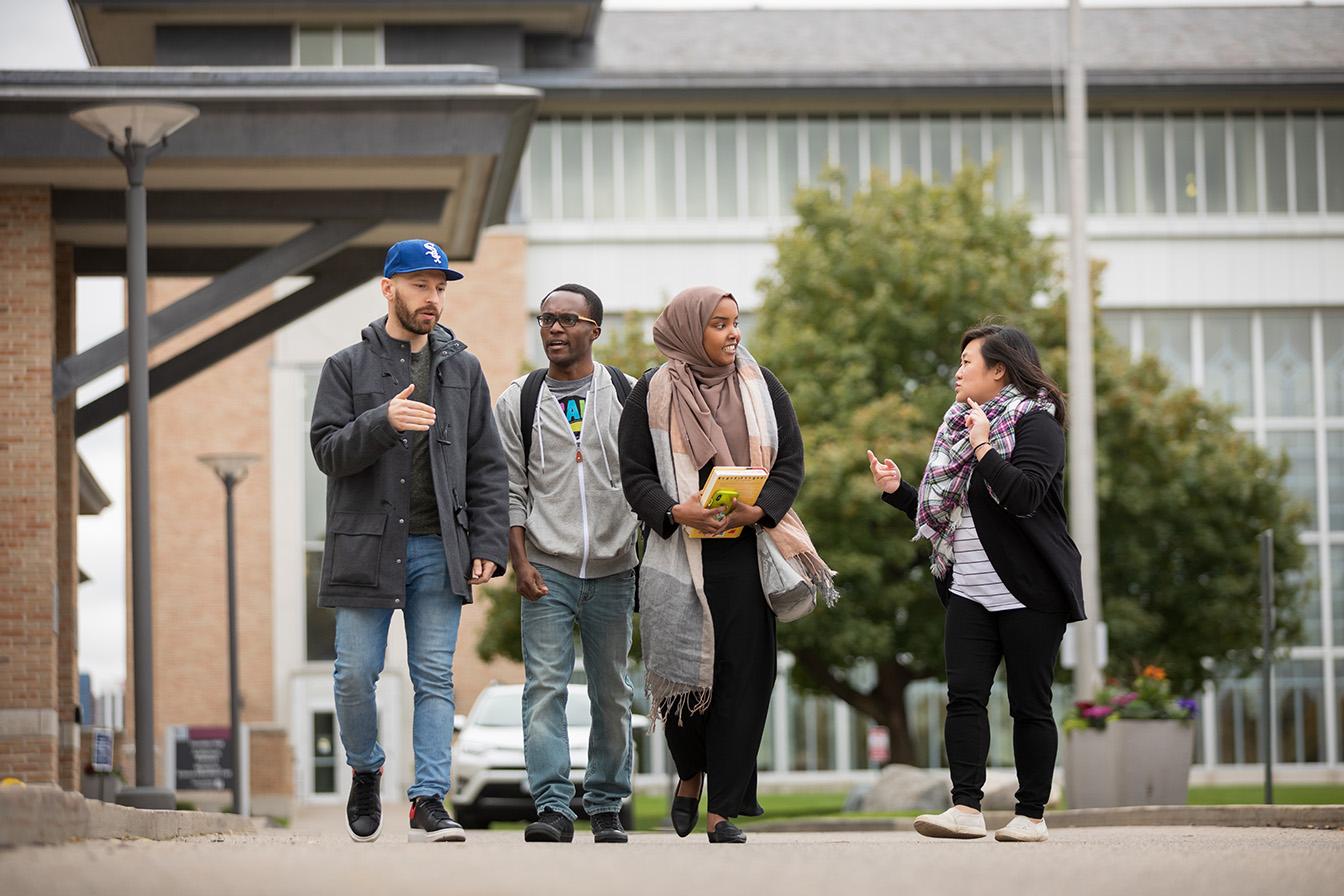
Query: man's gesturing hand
{"x": 405, "y": 414}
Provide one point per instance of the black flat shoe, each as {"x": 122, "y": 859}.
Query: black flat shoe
{"x": 726, "y": 832}
{"x": 686, "y": 812}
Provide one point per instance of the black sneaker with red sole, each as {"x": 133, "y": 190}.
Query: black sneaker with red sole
{"x": 431, "y": 823}
{"x": 364, "y": 808}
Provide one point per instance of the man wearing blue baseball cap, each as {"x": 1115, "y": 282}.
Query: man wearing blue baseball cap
{"x": 417, "y": 513}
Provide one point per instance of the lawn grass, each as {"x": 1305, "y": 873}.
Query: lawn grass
{"x": 1254, "y": 794}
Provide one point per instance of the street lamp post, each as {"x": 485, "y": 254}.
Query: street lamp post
{"x": 135, "y": 133}
{"x": 231, "y": 470}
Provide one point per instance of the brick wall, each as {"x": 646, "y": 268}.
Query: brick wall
{"x": 28, "y": 678}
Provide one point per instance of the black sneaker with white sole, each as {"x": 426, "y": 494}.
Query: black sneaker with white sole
{"x": 364, "y": 808}
{"x": 550, "y": 827}
{"x": 431, "y": 823}
{"x": 607, "y": 828}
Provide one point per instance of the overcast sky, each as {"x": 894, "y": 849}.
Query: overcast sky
{"x": 40, "y": 34}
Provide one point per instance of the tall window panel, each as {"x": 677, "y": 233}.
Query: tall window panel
{"x": 1337, "y": 598}
{"x": 1305, "y": 179}
{"x": 664, "y": 168}
{"x": 1334, "y": 465}
{"x": 571, "y": 169}
{"x": 1183, "y": 159}
{"x": 1332, "y": 127}
{"x": 847, "y": 134}
{"x": 972, "y": 142}
{"x": 1227, "y": 348}
{"x": 1214, "y": 130}
{"x": 1300, "y": 705}
{"x": 1126, "y": 165}
{"x": 758, "y": 168}
{"x": 1287, "y": 352}
{"x": 725, "y": 166}
{"x": 1332, "y": 326}
{"x": 818, "y": 146}
{"x": 633, "y": 168}
{"x": 1307, "y": 582}
{"x": 1033, "y": 161}
{"x": 1239, "y": 720}
{"x": 1154, "y": 164}
{"x": 879, "y": 147}
{"x": 940, "y": 148}
{"x": 1300, "y": 449}
{"x": 604, "y": 168}
{"x": 1245, "y": 162}
{"x": 786, "y": 142}
{"x": 1275, "y": 128}
{"x": 911, "y": 153}
{"x": 1096, "y": 168}
{"x": 1166, "y": 336}
{"x": 694, "y": 133}
{"x": 540, "y": 191}
{"x": 1117, "y": 324}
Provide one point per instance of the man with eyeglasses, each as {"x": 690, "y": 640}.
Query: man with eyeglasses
{"x": 572, "y": 546}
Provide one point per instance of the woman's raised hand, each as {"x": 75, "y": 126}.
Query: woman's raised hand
{"x": 886, "y": 475}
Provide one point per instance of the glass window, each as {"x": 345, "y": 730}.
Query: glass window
{"x": 1239, "y": 720}
{"x": 1057, "y": 166}
{"x": 1334, "y": 467}
{"x": 1154, "y": 164}
{"x": 910, "y": 151}
{"x": 879, "y": 146}
{"x": 1117, "y": 324}
{"x": 1299, "y": 704}
{"x": 359, "y": 46}
{"x": 1300, "y": 449}
{"x": 1276, "y": 162}
{"x": 1227, "y": 359}
{"x": 571, "y": 169}
{"x": 324, "y": 752}
{"x": 1288, "y": 364}
{"x": 1096, "y": 169}
{"x": 1337, "y": 599}
{"x": 695, "y": 132}
{"x": 1304, "y": 163}
{"x": 1126, "y": 178}
{"x": 1332, "y": 324}
{"x": 317, "y": 46}
{"x": 818, "y": 147}
{"x": 1215, "y": 164}
{"x": 540, "y": 195}
{"x": 847, "y": 131}
{"x": 320, "y": 622}
{"x": 786, "y": 148}
{"x": 632, "y": 162}
{"x": 725, "y": 159}
{"x": 1307, "y": 582}
{"x": 1033, "y": 177}
{"x": 1332, "y": 128}
{"x": 758, "y": 168}
{"x": 940, "y": 148}
{"x": 1001, "y": 136}
{"x": 1166, "y": 336}
{"x": 1183, "y": 149}
{"x": 1244, "y": 155}
{"x": 664, "y": 168}
{"x": 972, "y": 148}
{"x": 604, "y": 168}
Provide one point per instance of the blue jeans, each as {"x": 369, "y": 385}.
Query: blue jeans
{"x": 432, "y": 616}
{"x": 602, "y": 608}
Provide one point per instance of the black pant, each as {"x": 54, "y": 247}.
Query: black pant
{"x": 974, "y": 640}
{"x": 723, "y": 741}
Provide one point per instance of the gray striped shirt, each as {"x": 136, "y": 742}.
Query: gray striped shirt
{"x": 973, "y": 576}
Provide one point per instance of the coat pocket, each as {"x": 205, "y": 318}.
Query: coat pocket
{"x": 356, "y": 545}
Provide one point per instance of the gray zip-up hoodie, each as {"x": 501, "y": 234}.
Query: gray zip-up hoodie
{"x": 575, "y": 513}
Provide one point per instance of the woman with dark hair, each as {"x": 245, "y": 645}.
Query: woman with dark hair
{"x": 1009, "y": 576}
{"x": 708, "y": 634}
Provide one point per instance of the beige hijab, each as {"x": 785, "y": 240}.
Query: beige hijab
{"x": 706, "y": 398}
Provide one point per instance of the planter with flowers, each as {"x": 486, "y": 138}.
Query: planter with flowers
{"x": 1130, "y": 746}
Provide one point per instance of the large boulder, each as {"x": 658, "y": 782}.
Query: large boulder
{"x": 904, "y": 787}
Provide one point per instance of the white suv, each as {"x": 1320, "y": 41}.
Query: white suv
{"x": 489, "y": 774}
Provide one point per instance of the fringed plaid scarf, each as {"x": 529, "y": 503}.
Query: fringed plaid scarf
{"x": 942, "y": 491}
{"x": 674, "y": 620}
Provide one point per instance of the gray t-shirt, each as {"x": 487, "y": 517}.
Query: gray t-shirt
{"x": 424, "y": 508}
{"x": 573, "y": 398}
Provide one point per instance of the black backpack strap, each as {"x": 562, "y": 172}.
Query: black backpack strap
{"x": 620, "y": 382}
{"x": 527, "y": 409}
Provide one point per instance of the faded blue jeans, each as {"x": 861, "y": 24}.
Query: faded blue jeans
{"x": 432, "y": 616}
{"x": 602, "y": 608}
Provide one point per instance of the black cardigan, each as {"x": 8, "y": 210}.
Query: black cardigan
{"x": 1026, "y": 537}
{"x": 639, "y": 467}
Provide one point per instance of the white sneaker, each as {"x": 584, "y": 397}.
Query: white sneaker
{"x": 1022, "y": 830}
{"x": 953, "y": 823}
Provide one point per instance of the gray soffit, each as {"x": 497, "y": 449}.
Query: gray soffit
{"x": 831, "y": 49}
{"x": 121, "y": 32}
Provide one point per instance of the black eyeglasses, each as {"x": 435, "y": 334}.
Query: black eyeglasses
{"x": 566, "y": 320}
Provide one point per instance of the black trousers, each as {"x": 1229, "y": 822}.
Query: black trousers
{"x": 723, "y": 741}
{"x": 974, "y": 641}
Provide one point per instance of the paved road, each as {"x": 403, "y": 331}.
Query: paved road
{"x": 316, "y": 857}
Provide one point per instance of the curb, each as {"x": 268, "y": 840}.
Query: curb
{"x": 1322, "y": 816}
{"x": 42, "y": 814}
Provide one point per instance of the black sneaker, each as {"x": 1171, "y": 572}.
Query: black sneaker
{"x": 607, "y": 828}
{"x": 551, "y": 827}
{"x": 364, "y": 808}
{"x": 431, "y": 823}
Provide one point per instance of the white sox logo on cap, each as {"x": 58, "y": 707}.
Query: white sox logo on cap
{"x": 433, "y": 252}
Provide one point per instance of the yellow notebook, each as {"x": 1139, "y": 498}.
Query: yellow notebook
{"x": 745, "y": 481}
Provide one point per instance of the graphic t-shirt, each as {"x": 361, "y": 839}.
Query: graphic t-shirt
{"x": 572, "y": 395}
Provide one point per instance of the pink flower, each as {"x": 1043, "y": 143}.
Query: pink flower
{"x": 1096, "y": 712}
{"x": 1124, "y": 699}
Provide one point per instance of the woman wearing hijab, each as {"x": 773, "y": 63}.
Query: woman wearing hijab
{"x": 708, "y": 634}
{"x": 992, "y": 504}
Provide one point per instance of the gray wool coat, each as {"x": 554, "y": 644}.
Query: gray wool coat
{"x": 368, "y": 468}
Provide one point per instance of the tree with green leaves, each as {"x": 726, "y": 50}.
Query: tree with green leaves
{"x": 862, "y": 318}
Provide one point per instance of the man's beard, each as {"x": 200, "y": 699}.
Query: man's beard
{"x": 407, "y": 316}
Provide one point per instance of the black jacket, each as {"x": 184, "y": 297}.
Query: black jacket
{"x": 1026, "y": 537}
{"x": 368, "y": 467}
{"x": 639, "y": 466}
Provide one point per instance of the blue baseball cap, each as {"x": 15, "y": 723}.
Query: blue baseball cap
{"x": 408, "y": 256}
